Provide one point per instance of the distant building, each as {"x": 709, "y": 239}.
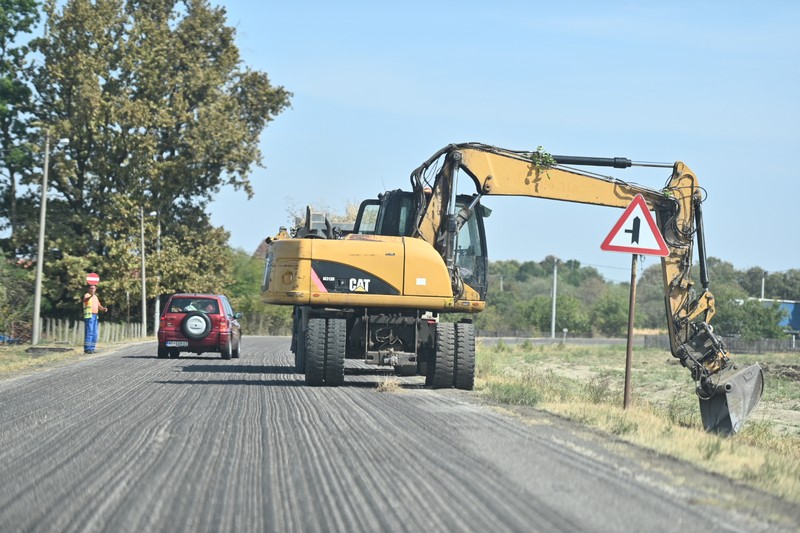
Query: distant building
{"x": 792, "y": 321}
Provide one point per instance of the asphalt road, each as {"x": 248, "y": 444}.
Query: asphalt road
{"x": 126, "y": 442}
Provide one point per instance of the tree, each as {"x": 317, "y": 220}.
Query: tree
{"x": 161, "y": 114}
{"x": 576, "y": 275}
{"x": 245, "y": 295}
{"x": 783, "y": 285}
{"x": 721, "y": 272}
{"x": 751, "y": 280}
{"x": 572, "y": 315}
{"x": 529, "y": 269}
{"x": 748, "y": 318}
{"x": 650, "y": 310}
{"x": 17, "y": 17}
{"x": 16, "y": 286}
{"x": 610, "y": 313}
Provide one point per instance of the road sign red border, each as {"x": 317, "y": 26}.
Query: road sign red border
{"x": 662, "y": 249}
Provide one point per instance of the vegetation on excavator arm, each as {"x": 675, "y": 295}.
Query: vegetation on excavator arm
{"x": 542, "y": 160}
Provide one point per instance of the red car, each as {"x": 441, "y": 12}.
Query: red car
{"x": 199, "y": 323}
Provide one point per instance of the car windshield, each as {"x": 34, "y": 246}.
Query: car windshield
{"x": 187, "y": 305}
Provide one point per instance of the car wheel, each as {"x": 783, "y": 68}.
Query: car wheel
{"x": 238, "y": 350}
{"x": 162, "y": 352}
{"x": 196, "y": 325}
{"x": 227, "y": 351}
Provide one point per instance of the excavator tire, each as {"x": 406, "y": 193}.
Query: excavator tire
{"x": 300, "y": 358}
{"x": 315, "y": 351}
{"x": 465, "y": 356}
{"x": 443, "y": 369}
{"x": 298, "y": 346}
{"x": 335, "y": 340}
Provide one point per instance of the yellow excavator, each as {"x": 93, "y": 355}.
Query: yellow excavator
{"x": 375, "y": 292}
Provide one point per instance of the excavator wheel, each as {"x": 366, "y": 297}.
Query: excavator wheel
{"x": 442, "y": 371}
{"x": 335, "y": 340}
{"x": 325, "y": 351}
{"x": 465, "y": 356}
{"x": 315, "y": 351}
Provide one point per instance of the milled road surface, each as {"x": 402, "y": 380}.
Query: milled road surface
{"x": 125, "y": 442}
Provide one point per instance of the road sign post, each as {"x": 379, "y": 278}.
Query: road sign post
{"x": 629, "y": 348}
{"x": 636, "y": 233}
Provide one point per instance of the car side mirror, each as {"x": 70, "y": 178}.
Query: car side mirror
{"x": 237, "y": 316}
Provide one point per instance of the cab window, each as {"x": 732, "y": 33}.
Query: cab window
{"x": 471, "y": 259}
{"x": 367, "y": 217}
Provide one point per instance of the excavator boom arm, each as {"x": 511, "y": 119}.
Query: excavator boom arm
{"x": 727, "y": 393}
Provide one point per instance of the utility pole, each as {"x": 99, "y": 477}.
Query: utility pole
{"x": 144, "y": 278}
{"x": 37, "y": 292}
{"x": 553, "y": 316}
{"x": 157, "y": 304}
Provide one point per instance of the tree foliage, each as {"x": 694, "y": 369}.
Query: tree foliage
{"x": 245, "y": 292}
{"x": 738, "y": 312}
{"x": 16, "y": 286}
{"x": 160, "y": 114}
{"x": 520, "y": 299}
{"x": 17, "y": 18}
{"x": 610, "y": 314}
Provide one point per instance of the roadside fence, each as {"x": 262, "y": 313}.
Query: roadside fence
{"x": 70, "y": 332}
{"x": 736, "y": 345}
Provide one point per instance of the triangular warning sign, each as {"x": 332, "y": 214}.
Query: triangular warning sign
{"x": 636, "y": 232}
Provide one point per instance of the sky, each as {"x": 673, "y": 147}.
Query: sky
{"x": 378, "y": 87}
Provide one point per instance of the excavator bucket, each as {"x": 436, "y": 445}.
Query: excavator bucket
{"x": 736, "y": 394}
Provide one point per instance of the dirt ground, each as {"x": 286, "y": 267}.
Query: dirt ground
{"x": 785, "y": 414}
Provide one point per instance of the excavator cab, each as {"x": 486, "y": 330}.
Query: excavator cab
{"x": 394, "y": 213}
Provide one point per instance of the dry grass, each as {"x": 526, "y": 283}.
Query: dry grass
{"x": 389, "y": 384}
{"x": 585, "y": 384}
{"x": 14, "y": 360}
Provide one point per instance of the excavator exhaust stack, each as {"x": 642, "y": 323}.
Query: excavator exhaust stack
{"x": 731, "y": 398}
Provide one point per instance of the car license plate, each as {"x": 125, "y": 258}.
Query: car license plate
{"x": 177, "y": 344}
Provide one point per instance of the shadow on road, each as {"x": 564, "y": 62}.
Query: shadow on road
{"x": 260, "y": 382}
{"x": 226, "y": 368}
{"x": 241, "y": 369}
{"x": 289, "y": 383}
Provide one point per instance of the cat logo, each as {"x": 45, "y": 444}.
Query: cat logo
{"x": 359, "y": 285}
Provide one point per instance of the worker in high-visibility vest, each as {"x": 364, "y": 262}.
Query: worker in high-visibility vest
{"x": 91, "y": 307}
